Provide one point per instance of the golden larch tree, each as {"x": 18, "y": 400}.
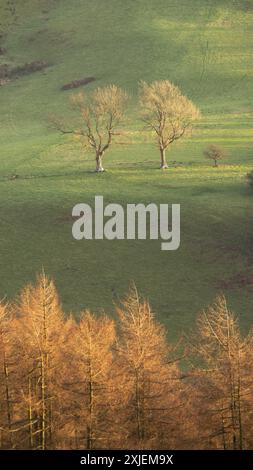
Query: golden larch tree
{"x": 40, "y": 325}
{"x": 149, "y": 381}
{"x": 87, "y": 385}
{"x": 224, "y": 379}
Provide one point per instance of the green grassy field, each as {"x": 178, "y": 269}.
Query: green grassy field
{"x": 203, "y": 46}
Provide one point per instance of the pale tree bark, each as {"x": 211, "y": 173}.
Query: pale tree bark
{"x": 99, "y": 162}
{"x": 164, "y": 164}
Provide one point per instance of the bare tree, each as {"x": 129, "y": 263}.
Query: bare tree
{"x": 167, "y": 113}
{"x": 100, "y": 116}
{"x": 215, "y": 153}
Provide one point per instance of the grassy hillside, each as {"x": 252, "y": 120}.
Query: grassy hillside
{"x": 203, "y": 46}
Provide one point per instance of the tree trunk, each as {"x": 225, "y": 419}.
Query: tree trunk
{"x": 90, "y": 430}
{"x": 7, "y": 397}
{"x": 139, "y": 407}
{"x": 99, "y": 167}
{"x": 43, "y": 403}
{"x": 164, "y": 164}
{"x": 30, "y": 413}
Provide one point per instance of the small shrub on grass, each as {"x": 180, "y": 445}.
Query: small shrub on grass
{"x": 215, "y": 153}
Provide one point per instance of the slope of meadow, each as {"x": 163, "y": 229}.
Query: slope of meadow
{"x": 203, "y": 46}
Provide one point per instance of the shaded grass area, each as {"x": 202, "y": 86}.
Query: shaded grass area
{"x": 216, "y": 240}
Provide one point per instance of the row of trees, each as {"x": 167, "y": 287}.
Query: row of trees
{"x": 166, "y": 112}
{"x": 104, "y": 383}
